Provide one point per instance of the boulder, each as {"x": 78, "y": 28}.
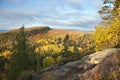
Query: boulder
{"x": 102, "y": 65}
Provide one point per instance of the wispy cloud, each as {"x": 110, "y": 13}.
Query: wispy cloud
{"x": 68, "y": 14}
{"x": 75, "y": 2}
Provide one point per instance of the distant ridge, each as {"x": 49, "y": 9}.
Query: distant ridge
{"x": 3, "y": 31}
{"x": 36, "y": 33}
{"x": 36, "y": 27}
{"x": 37, "y": 30}
{"x": 34, "y": 30}
{"x": 30, "y": 28}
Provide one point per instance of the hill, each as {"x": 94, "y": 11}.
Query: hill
{"x": 3, "y": 31}
{"x": 33, "y": 30}
{"x": 8, "y": 38}
{"x": 57, "y": 33}
{"x": 34, "y": 34}
{"x": 39, "y": 32}
{"x": 46, "y": 31}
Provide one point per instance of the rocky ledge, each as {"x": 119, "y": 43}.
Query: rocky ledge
{"x": 102, "y": 65}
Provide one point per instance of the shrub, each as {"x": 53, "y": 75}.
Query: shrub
{"x": 48, "y": 61}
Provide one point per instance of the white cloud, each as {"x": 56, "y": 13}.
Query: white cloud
{"x": 75, "y": 2}
{"x": 97, "y": 4}
{"x": 53, "y": 14}
{"x": 67, "y": 19}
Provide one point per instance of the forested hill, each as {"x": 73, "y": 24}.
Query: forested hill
{"x": 9, "y": 35}
{"x": 29, "y": 31}
{"x": 35, "y": 33}
{"x": 34, "y": 30}
{"x": 7, "y": 38}
{"x": 3, "y": 31}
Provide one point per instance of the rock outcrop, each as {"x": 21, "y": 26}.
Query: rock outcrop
{"x": 103, "y": 65}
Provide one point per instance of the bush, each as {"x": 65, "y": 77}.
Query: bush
{"x": 107, "y": 37}
{"x": 48, "y": 61}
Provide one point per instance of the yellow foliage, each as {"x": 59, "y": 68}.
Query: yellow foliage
{"x": 80, "y": 49}
{"x": 108, "y": 37}
{"x": 37, "y": 50}
{"x": 47, "y": 45}
{"x": 48, "y": 61}
{"x": 71, "y": 48}
{"x": 6, "y": 53}
{"x": 52, "y": 49}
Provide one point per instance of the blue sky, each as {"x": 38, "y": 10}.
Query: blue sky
{"x": 59, "y": 14}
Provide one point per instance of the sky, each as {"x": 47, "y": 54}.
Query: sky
{"x": 59, "y": 14}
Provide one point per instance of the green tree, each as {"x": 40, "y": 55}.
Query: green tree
{"x": 66, "y": 42}
{"x": 3, "y": 60}
{"x": 21, "y": 59}
{"x": 76, "y": 54}
{"x": 65, "y": 51}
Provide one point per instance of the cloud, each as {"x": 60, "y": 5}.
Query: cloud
{"x": 84, "y": 22}
{"x": 13, "y": 18}
{"x": 97, "y": 4}
{"x": 75, "y": 2}
{"x": 68, "y": 19}
{"x": 68, "y": 15}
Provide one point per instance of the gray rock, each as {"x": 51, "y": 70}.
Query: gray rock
{"x": 92, "y": 67}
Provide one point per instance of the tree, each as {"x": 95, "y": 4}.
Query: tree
{"x": 3, "y": 60}
{"x": 110, "y": 10}
{"x": 108, "y": 35}
{"x": 65, "y": 51}
{"x": 20, "y": 60}
{"x": 76, "y": 53}
{"x": 106, "y": 10}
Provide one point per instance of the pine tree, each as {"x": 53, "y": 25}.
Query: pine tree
{"x": 76, "y": 53}
{"x": 20, "y": 59}
{"x": 66, "y": 46}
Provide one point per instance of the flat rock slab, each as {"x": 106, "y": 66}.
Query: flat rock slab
{"x": 92, "y": 67}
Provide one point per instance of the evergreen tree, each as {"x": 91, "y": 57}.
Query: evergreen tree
{"x": 76, "y": 53}
{"x": 66, "y": 46}
{"x": 20, "y": 59}
{"x": 66, "y": 53}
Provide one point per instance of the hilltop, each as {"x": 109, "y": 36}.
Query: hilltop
{"x": 33, "y": 30}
